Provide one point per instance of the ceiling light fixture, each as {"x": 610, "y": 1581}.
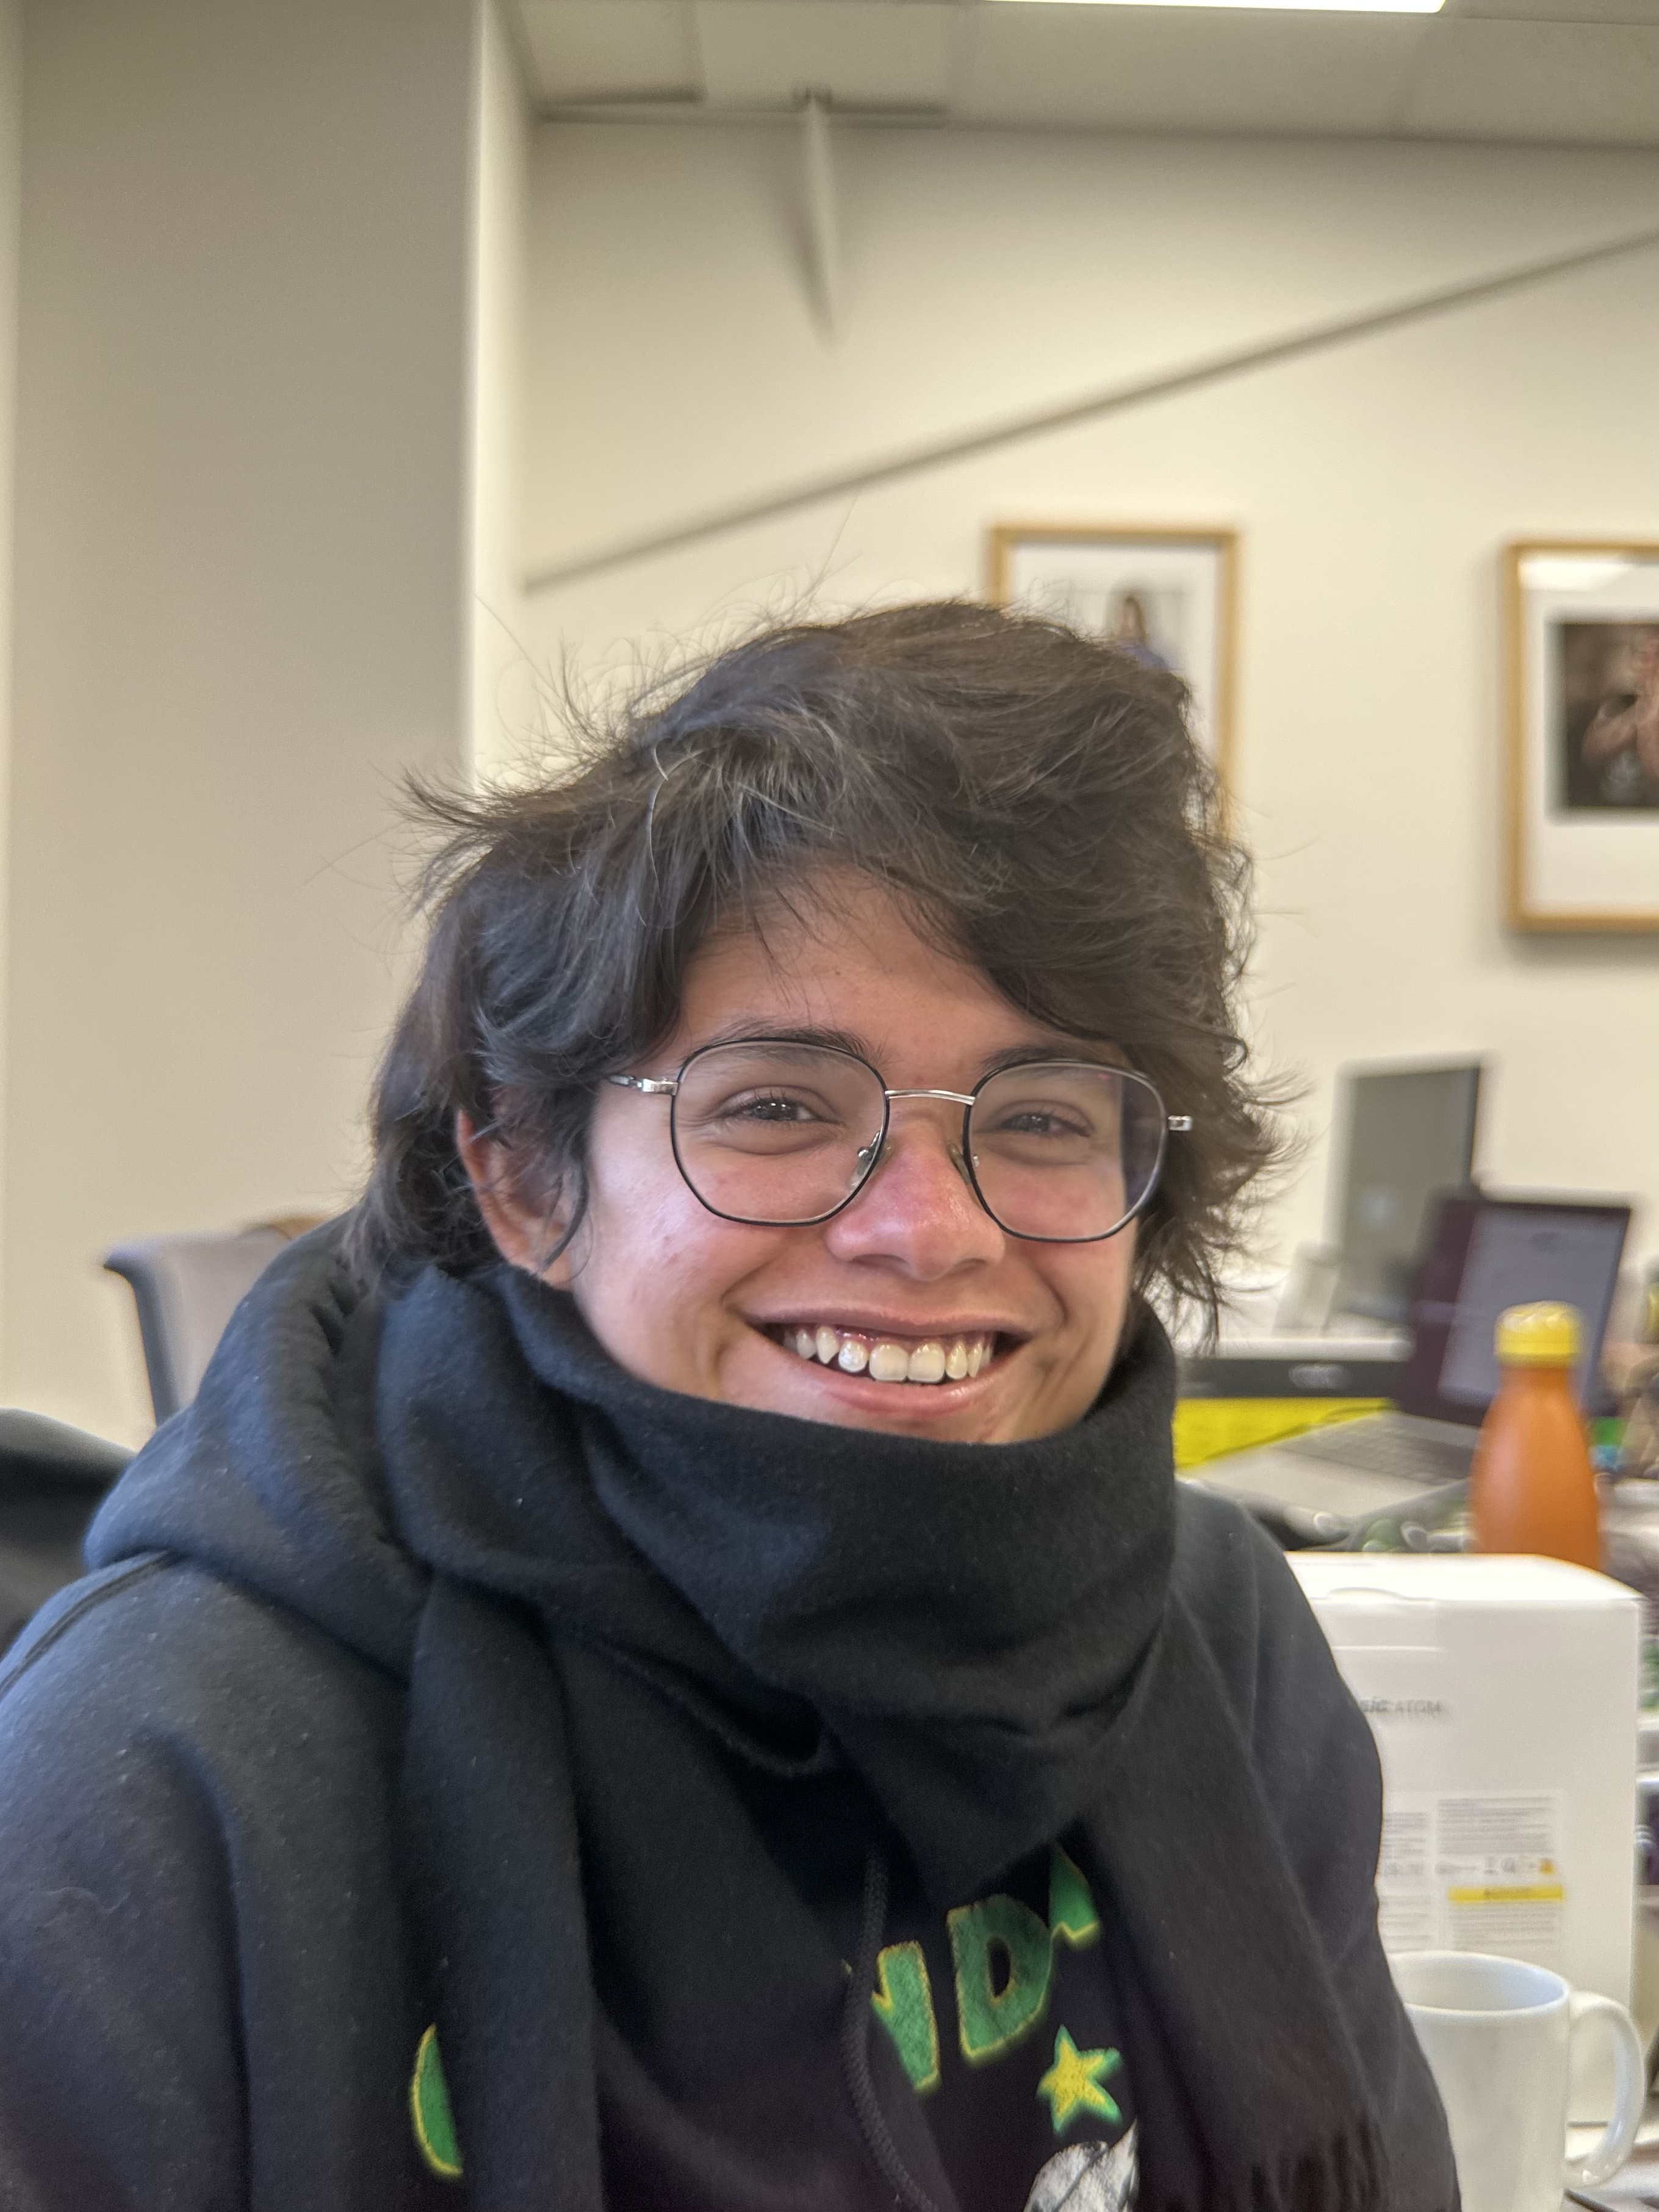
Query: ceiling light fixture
{"x": 1322, "y": 7}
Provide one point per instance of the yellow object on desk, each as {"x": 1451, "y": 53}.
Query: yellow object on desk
{"x": 1209, "y": 1428}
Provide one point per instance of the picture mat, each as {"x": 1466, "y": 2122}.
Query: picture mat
{"x": 1079, "y": 581}
{"x": 1583, "y": 862}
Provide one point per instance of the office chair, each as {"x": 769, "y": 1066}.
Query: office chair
{"x": 51, "y": 1478}
{"x": 187, "y": 1288}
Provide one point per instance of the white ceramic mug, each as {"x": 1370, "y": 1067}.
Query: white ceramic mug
{"x": 1498, "y": 2036}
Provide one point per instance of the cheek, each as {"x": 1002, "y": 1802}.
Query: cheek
{"x": 637, "y": 1201}
{"x": 654, "y": 1275}
{"x": 646, "y": 1231}
{"x": 643, "y": 1241}
{"x": 1090, "y": 1283}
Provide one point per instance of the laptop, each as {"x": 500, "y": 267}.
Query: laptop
{"x": 1409, "y": 1135}
{"x": 1484, "y": 1254}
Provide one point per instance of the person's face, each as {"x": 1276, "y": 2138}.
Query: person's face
{"x": 719, "y": 1309}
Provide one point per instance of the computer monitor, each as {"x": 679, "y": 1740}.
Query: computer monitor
{"x": 1408, "y": 1136}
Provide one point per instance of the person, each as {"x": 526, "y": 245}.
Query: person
{"x": 666, "y": 1668}
{"x": 1131, "y": 632}
{"x": 1621, "y": 746}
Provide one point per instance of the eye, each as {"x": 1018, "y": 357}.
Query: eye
{"x": 1041, "y": 1122}
{"x": 1049, "y": 1113}
{"x": 767, "y": 1106}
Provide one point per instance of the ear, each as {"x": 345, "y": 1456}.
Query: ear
{"x": 521, "y": 1233}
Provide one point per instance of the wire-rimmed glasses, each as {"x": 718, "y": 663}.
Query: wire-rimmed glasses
{"x": 784, "y": 1135}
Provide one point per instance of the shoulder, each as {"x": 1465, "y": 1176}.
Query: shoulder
{"x": 198, "y": 1791}
{"x": 166, "y": 1735}
{"x": 154, "y": 1679}
{"x": 1240, "y": 1589}
{"x": 156, "y": 1623}
{"x": 1311, "y": 1747}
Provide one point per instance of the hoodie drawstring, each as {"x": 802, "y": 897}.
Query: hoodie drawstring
{"x": 856, "y": 2040}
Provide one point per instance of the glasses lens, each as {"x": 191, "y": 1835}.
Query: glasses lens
{"x": 1064, "y": 1151}
{"x": 776, "y": 1133}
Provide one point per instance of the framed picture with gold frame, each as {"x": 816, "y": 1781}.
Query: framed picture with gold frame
{"x": 1168, "y": 595}
{"x": 1582, "y": 648}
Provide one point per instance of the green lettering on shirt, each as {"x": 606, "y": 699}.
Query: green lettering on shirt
{"x": 904, "y": 2002}
{"x": 429, "y": 2108}
{"x": 1005, "y": 1960}
{"x": 1071, "y": 1908}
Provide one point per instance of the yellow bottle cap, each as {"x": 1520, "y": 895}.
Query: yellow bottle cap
{"x": 1546, "y": 1335}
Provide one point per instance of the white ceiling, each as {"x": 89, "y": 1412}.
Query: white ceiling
{"x": 1570, "y": 72}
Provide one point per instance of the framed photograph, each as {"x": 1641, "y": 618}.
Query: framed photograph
{"x": 1169, "y": 596}
{"x": 1582, "y": 625}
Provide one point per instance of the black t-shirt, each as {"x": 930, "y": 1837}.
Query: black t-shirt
{"x": 1002, "y": 2008}
{"x": 1003, "y": 2012}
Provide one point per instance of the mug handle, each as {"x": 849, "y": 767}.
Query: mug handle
{"x": 1603, "y": 2159}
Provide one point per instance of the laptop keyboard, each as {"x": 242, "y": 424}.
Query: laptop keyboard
{"x": 1386, "y": 1447}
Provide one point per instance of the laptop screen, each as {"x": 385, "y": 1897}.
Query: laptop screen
{"x": 1487, "y": 1254}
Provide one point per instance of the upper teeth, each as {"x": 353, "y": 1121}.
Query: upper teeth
{"x": 934, "y": 1359}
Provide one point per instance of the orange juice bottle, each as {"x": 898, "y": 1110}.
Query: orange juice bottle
{"x": 1531, "y": 1488}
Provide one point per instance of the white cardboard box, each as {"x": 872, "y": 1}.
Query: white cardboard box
{"x": 1503, "y": 1695}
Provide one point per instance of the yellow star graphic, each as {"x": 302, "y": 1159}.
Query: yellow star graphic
{"x": 1071, "y": 2085}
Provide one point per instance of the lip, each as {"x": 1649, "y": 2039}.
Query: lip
{"x": 892, "y": 1325}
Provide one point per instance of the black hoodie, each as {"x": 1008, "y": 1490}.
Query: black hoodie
{"x": 202, "y": 1750}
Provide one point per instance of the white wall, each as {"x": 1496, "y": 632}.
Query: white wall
{"x": 241, "y": 610}
{"x": 503, "y": 703}
{"x": 675, "y": 365}
{"x": 11, "y": 188}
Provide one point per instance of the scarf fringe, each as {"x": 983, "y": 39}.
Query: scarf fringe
{"x": 1348, "y": 2173}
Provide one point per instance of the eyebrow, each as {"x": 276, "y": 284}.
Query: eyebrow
{"x": 1088, "y": 1049}
{"x": 1055, "y": 1046}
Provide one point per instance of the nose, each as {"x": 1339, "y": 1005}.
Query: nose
{"x": 918, "y": 1210}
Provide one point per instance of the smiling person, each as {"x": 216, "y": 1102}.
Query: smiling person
{"x": 667, "y": 1668}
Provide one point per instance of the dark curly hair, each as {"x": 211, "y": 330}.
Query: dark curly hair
{"x": 1035, "y": 799}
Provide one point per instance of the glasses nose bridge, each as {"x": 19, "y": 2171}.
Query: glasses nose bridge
{"x": 874, "y": 1156}
{"x": 955, "y": 1097}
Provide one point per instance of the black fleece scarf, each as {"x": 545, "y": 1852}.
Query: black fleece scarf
{"x": 631, "y": 1588}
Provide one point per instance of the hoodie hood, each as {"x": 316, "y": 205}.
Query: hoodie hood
{"x": 271, "y": 1478}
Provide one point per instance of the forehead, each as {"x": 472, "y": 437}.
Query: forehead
{"x": 847, "y": 956}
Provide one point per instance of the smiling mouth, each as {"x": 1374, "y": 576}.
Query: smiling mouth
{"x": 884, "y": 1357}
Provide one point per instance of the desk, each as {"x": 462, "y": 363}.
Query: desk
{"x": 1638, "y": 2184}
